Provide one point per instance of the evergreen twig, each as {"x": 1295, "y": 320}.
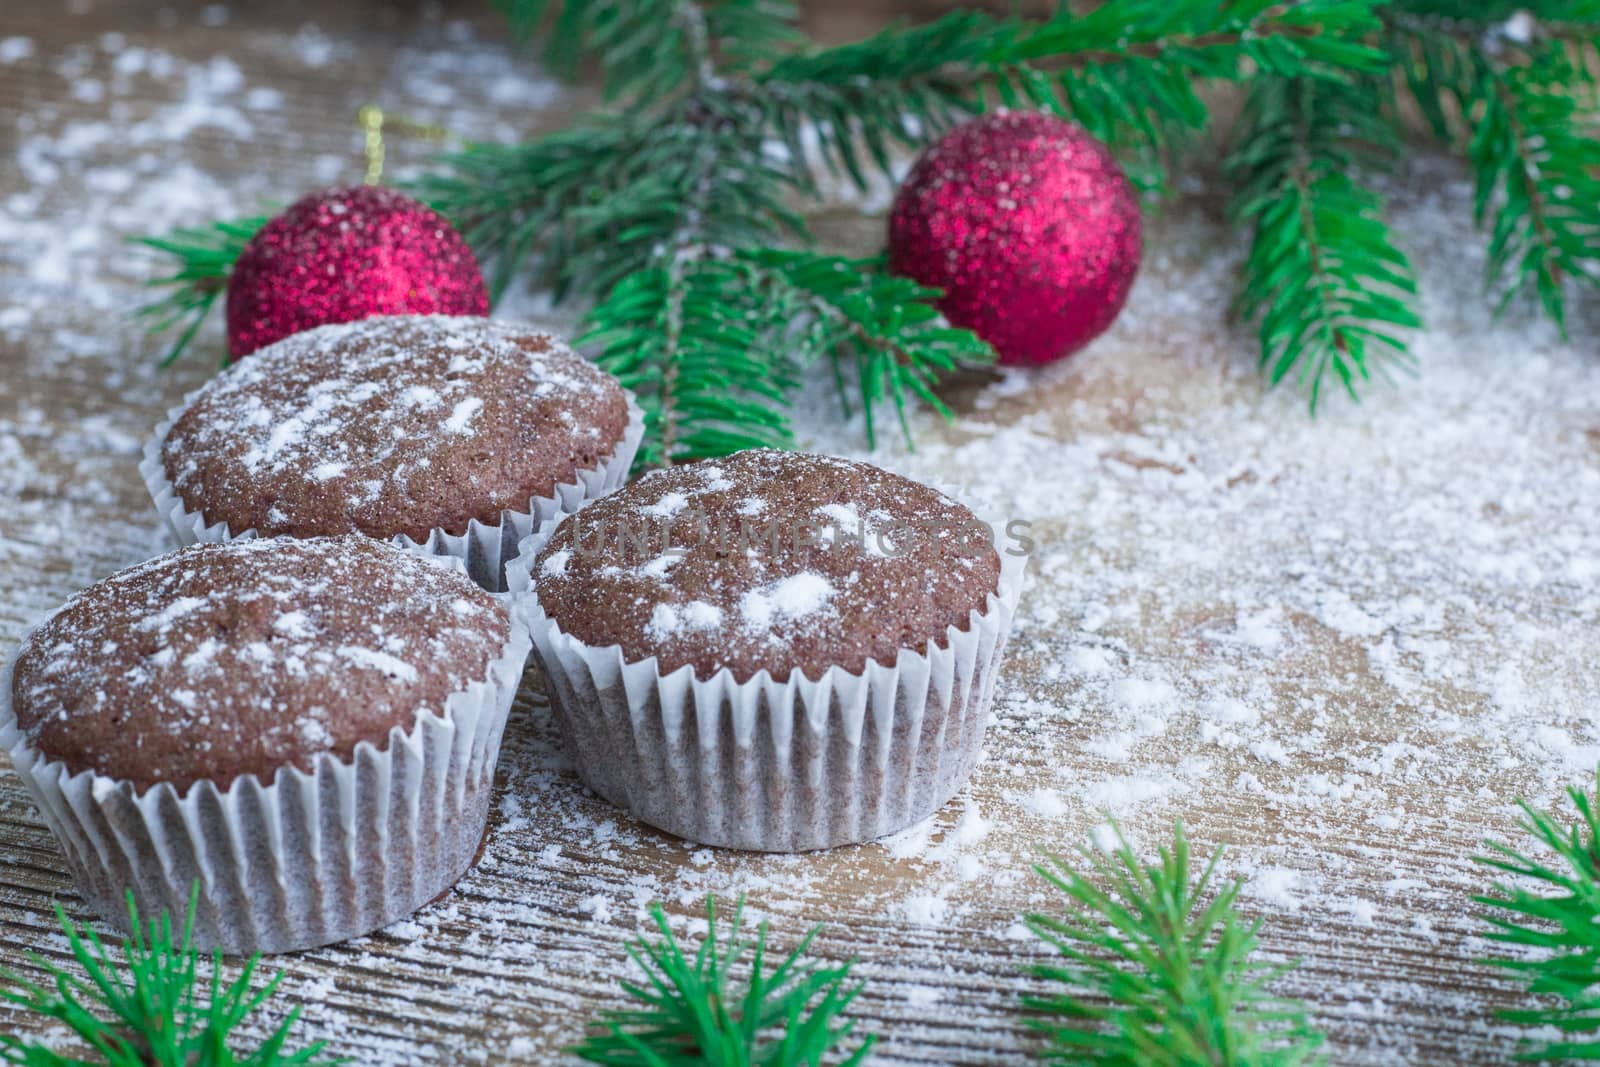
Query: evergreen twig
{"x": 723, "y": 1007}
{"x": 652, "y": 48}
{"x": 1533, "y": 164}
{"x": 157, "y": 1007}
{"x": 1518, "y": 103}
{"x": 1552, "y": 914}
{"x": 204, "y": 256}
{"x": 516, "y": 204}
{"x": 681, "y": 343}
{"x": 1333, "y": 293}
{"x": 873, "y": 327}
{"x": 1159, "y": 968}
{"x": 721, "y": 360}
{"x": 1128, "y": 71}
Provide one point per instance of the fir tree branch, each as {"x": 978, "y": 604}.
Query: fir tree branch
{"x": 156, "y": 1007}
{"x": 517, "y": 205}
{"x": 656, "y": 251}
{"x": 1332, "y": 291}
{"x": 852, "y": 311}
{"x": 1519, "y": 105}
{"x": 679, "y": 341}
{"x": 1481, "y": 18}
{"x": 652, "y": 48}
{"x": 716, "y": 351}
{"x": 700, "y": 184}
{"x": 581, "y": 209}
{"x": 677, "y": 187}
{"x": 205, "y": 257}
{"x": 1159, "y": 969}
{"x": 1552, "y": 913}
{"x": 1127, "y": 70}
{"x": 1535, "y": 166}
{"x": 1135, "y": 89}
{"x": 722, "y": 1007}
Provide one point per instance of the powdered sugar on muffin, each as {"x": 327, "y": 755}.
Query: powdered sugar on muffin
{"x": 767, "y": 560}
{"x": 239, "y": 658}
{"x": 391, "y": 425}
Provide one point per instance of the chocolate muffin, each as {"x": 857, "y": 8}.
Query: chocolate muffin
{"x": 436, "y": 430}
{"x": 309, "y": 727}
{"x": 766, "y": 560}
{"x": 772, "y": 650}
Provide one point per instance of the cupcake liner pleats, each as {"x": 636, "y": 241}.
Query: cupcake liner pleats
{"x": 485, "y": 548}
{"x": 307, "y": 859}
{"x": 782, "y": 766}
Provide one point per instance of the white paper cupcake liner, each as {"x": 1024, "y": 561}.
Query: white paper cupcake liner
{"x": 485, "y": 547}
{"x": 775, "y": 766}
{"x": 305, "y": 860}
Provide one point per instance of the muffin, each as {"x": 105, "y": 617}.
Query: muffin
{"x": 458, "y": 435}
{"x": 308, "y": 728}
{"x": 772, "y": 650}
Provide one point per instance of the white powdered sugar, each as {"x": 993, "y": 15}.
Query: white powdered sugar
{"x": 461, "y": 415}
{"x": 873, "y": 534}
{"x": 294, "y": 624}
{"x": 383, "y": 662}
{"x": 674, "y": 620}
{"x": 794, "y": 600}
{"x": 668, "y": 505}
{"x": 660, "y": 567}
{"x": 209, "y": 636}
{"x": 319, "y": 402}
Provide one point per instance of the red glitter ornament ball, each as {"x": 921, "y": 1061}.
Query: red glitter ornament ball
{"x": 1029, "y": 226}
{"x": 346, "y": 254}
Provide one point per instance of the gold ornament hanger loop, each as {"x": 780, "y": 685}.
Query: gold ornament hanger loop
{"x": 372, "y": 120}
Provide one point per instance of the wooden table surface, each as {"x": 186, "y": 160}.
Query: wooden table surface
{"x": 1341, "y": 646}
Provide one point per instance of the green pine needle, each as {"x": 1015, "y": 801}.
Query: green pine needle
{"x": 875, "y": 327}
{"x": 652, "y": 48}
{"x": 154, "y": 1009}
{"x": 1552, "y": 913}
{"x": 515, "y": 204}
{"x": 1537, "y": 180}
{"x": 723, "y": 1007}
{"x": 1334, "y": 295}
{"x": 687, "y": 339}
{"x": 1128, "y": 71}
{"x": 1133, "y": 68}
{"x": 716, "y": 348}
{"x": 204, "y": 257}
{"x": 1522, "y": 111}
{"x": 1159, "y": 969}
